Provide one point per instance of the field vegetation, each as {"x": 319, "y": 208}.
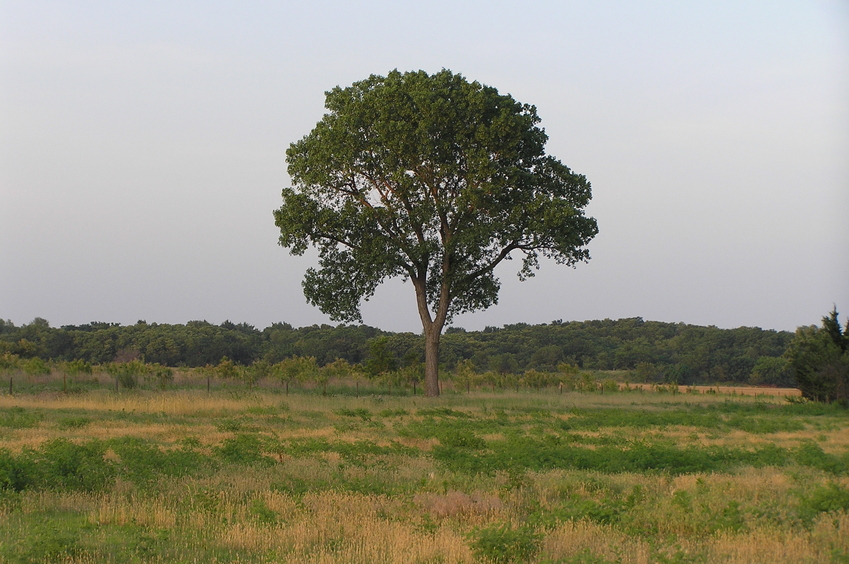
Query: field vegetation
{"x": 341, "y": 471}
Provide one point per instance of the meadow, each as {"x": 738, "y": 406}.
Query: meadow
{"x": 242, "y": 475}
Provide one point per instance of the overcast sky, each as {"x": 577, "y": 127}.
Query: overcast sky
{"x": 142, "y": 152}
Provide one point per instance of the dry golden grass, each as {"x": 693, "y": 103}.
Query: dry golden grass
{"x": 830, "y": 536}
{"x": 455, "y": 503}
{"x": 722, "y": 390}
{"x": 337, "y": 528}
{"x": 184, "y": 402}
{"x": 601, "y": 541}
{"x": 133, "y": 509}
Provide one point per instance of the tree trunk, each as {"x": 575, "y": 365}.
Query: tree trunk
{"x": 431, "y": 379}
{"x": 432, "y": 330}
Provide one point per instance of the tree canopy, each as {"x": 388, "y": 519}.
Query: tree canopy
{"x": 433, "y": 179}
{"x": 654, "y": 351}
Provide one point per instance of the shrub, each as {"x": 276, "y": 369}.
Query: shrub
{"x": 810, "y": 454}
{"x": 536, "y": 379}
{"x": 76, "y": 367}
{"x": 63, "y": 465}
{"x": 161, "y": 375}
{"x": 227, "y": 369}
{"x": 502, "y": 544}
{"x": 127, "y": 373}
{"x": 9, "y": 362}
{"x": 36, "y": 367}
{"x": 243, "y": 449}
{"x": 824, "y": 499}
{"x": 16, "y": 474}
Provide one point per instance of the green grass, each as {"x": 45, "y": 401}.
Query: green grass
{"x": 502, "y": 476}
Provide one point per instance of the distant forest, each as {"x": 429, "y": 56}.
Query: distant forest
{"x": 652, "y": 350}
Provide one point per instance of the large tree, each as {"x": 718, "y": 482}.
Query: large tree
{"x": 434, "y": 179}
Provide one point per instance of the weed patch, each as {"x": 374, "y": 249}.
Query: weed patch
{"x": 19, "y": 418}
{"x": 551, "y": 453}
{"x": 73, "y": 422}
{"x": 244, "y": 449}
{"x": 503, "y": 544}
{"x": 142, "y": 462}
{"x": 810, "y": 454}
{"x": 823, "y": 499}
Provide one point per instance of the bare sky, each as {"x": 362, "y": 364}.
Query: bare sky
{"x": 142, "y": 151}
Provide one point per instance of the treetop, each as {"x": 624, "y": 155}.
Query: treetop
{"x": 431, "y": 178}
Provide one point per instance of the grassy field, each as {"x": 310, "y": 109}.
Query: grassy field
{"x": 254, "y": 476}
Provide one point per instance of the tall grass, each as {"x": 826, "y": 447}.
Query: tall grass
{"x": 258, "y": 476}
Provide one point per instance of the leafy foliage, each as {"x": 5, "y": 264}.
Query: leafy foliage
{"x": 433, "y": 179}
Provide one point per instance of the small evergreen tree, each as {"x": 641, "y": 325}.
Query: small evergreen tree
{"x": 819, "y": 358}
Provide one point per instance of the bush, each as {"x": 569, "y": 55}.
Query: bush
{"x": 76, "y": 367}
{"x": 243, "y": 449}
{"x": 810, "y": 454}
{"x": 502, "y": 544}
{"x": 15, "y": 474}
{"x": 9, "y": 362}
{"x": 162, "y": 375}
{"x": 538, "y": 380}
{"x": 36, "y": 367}
{"x": 127, "y": 373}
{"x": 823, "y": 499}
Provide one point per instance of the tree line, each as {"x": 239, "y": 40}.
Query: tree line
{"x": 653, "y": 351}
